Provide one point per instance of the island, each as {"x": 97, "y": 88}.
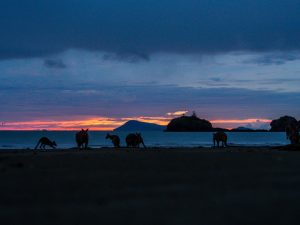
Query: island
{"x": 189, "y": 124}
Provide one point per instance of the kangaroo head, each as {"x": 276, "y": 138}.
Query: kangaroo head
{"x": 84, "y": 131}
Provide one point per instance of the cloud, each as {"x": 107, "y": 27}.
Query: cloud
{"x": 177, "y": 113}
{"x": 219, "y": 86}
{"x": 276, "y": 58}
{"x": 55, "y": 64}
{"x": 126, "y": 57}
{"x": 210, "y": 103}
{"x": 253, "y": 123}
{"x": 191, "y": 26}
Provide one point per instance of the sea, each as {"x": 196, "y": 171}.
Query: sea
{"x": 66, "y": 139}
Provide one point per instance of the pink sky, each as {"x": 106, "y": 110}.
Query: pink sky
{"x": 107, "y": 123}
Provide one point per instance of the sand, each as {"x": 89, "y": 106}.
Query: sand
{"x": 150, "y": 187}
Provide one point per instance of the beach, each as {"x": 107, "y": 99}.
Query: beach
{"x": 186, "y": 186}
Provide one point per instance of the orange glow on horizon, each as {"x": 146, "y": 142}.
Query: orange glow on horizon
{"x": 96, "y": 124}
{"x": 108, "y": 124}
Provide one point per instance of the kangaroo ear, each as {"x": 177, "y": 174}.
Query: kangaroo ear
{"x": 82, "y": 129}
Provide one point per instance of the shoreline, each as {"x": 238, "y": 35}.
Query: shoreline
{"x": 234, "y": 148}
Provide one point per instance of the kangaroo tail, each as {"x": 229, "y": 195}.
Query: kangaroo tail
{"x": 37, "y": 145}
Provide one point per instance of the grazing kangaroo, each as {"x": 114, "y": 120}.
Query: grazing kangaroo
{"x": 218, "y": 137}
{"x": 134, "y": 140}
{"x": 82, "y": 139}
{"x": 115, "y": 140}
{"x": 45, "y": 141}
{"x": 292, "y": 133}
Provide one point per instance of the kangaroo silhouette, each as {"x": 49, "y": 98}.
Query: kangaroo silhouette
{"x": 218, "y": 137}
{"x": 115, "y": 140}
{"x": 134, "y": 140}
{"x": 292, "y": 133}
{"x": 82, "y": 139}
{"x": 43, "y": 142}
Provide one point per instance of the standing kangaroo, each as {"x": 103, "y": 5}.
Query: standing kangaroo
{"x": 218, "y": 137}
{"x": 134, "y": 140}
{"x": 292, "y": 133}
{"x": 82, "y": 139}
{"x": 115, "y": 140}
{"x": 45, "y": 141}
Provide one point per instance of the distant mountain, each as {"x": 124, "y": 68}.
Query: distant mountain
{"x": 247, "y": 129}
{"x": 242, "y": 129}
{"x": 137, "y": 126}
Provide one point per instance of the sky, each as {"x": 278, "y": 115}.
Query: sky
{"x": 98, "y": 63}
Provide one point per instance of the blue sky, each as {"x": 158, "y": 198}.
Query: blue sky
{"x": 128, "y": 58}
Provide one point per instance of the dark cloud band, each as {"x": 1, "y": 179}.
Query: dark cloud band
{"x": 35, "y": 28}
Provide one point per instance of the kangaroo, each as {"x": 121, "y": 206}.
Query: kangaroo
{"x": 45, "y": 141}
{"x": 292, "y": 133}
{"x": 82, "y": 139}
{"x": 218, "y": 137}
{"x": 134, "y": 140}
{"x": 115, "y": 140}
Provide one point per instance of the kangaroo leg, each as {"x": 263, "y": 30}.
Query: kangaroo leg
{"x": 37, "y": 145}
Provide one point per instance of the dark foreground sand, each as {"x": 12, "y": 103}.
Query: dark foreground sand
{"x": 153, "y": 187}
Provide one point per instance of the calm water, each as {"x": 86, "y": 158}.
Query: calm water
{"x": 66, "y": 139}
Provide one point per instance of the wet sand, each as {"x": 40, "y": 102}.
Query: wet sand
{"x": 150, "y": 187}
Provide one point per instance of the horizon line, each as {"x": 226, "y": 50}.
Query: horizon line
{"x": 95, "y": 123}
